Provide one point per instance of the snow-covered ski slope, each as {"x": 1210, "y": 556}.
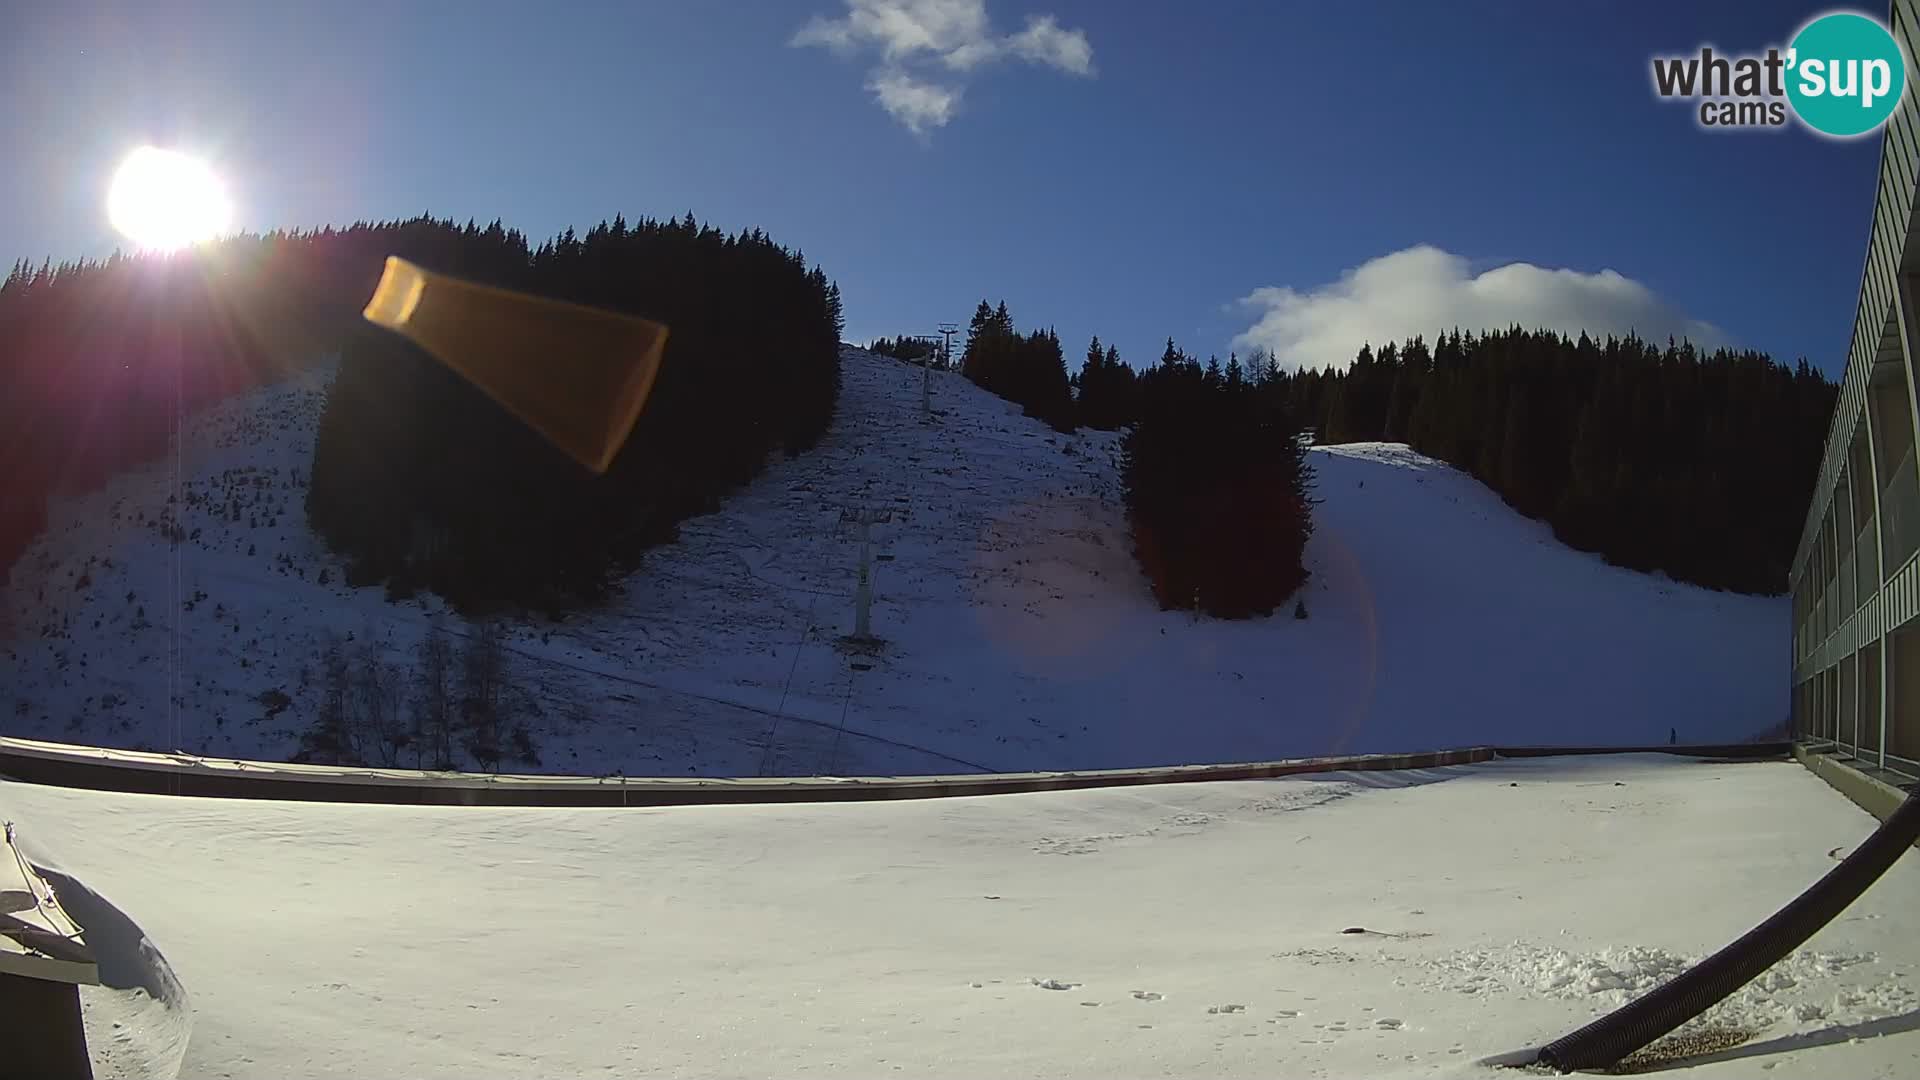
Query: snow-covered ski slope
{"x": 1182, "y": 930}
{"x": 1019, "y": 633}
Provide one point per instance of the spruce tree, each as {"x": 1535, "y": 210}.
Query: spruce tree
{"x": 1217, "y": 492}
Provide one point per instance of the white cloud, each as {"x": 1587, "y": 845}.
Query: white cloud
{"x": 834, "y": 34}
{"x": 972, "y": 54}
{"x": 1043, "y": 42}
{"x": 921, "y": 106}
{"x": 1423, "y": 290}
{"x": 953, "y": 34}
{"x": 901, "y": 28}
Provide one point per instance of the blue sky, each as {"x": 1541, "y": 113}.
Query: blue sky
{"x": 1131, "y": 170}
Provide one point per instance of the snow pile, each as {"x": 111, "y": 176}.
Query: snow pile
{"x": 1801, "y": 987}
{"x": 133, "y": 1035}
{"x": 138, "y": 1018}
{"x": 1018, "y": 631}
{"x": 1626, "y": 971}
{"x": 1623, "y": 971}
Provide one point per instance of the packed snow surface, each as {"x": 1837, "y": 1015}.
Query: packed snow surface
{"x": 1019, "y": 631}
{"x": 1346, "y": 925}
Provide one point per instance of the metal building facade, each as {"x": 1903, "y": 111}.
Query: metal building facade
{"x": 1855, "y": 579}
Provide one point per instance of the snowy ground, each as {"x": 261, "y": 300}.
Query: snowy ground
{"x": 1020, "y": 634}
{"x": 1181, "y": 930}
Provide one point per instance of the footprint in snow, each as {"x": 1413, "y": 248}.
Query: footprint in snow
{"x": 1146, "y": 995}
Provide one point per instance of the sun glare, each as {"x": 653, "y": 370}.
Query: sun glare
{"x": 163, "y": 200}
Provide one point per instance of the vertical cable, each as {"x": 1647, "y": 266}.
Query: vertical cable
{"x": 173, "y": 539}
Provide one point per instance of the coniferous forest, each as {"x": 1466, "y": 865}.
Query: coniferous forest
{"x": 425, "y": 482}
{"x": 416, "y": 476}
{"x": 1218, "y": 490}
{"x": 1690, "y": 463}
{"x": 1670, "y": 459}
{"x": 907, "y": 348}
{"x": 1694, "y": 464}
{"x": 1105, "y": 389}
{"x": 99, "y": 358}
{"x": 1215, "y": 476}
{"x": 1026, "y": 369}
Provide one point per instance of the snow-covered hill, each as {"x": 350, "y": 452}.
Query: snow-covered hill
{"x": 1019, "y": 633}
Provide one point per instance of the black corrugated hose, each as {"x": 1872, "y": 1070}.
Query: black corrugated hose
{"x": 1632, "y": 1026}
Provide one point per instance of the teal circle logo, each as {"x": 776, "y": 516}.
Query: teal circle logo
{"x": 1845, "y": 74}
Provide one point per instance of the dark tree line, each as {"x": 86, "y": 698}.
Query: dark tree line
{"x": 907, "y": 348}
{"x": 1695, "y": 464}
{"x": 425, "y": 482}
{"x": 416, "y": 475}
{"x": 1218, "y": 488}
{"x": 1026, "y": 369}
{"x": 99, "y": 358}
{"x": 1217, "y": 485}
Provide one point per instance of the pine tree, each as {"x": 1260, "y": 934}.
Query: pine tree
{"x": 834, "y": 313}
{"x": 1216, "y": 485}
{"x": 981, "y": 325}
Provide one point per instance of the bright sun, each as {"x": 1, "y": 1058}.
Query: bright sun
{"x": 163, "y": 200}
